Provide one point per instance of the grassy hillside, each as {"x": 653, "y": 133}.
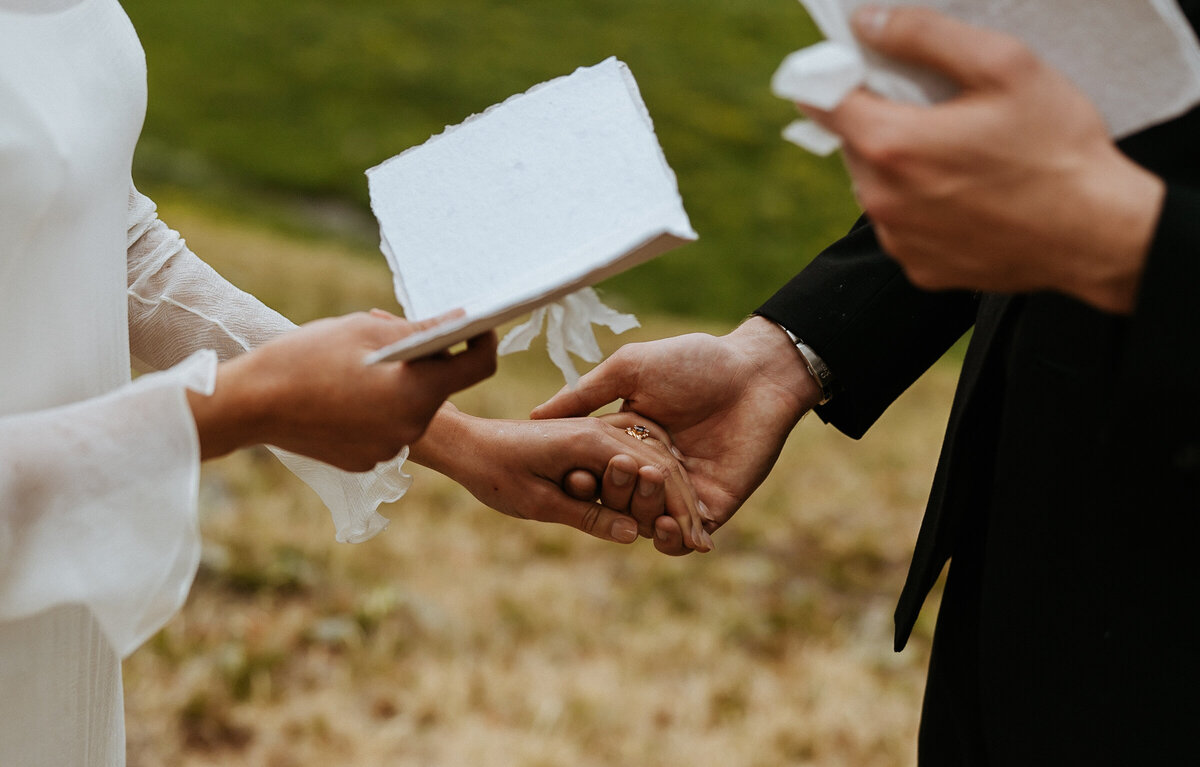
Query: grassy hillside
{"x": 276, "y": 107}
{"x": 462, "y": 637}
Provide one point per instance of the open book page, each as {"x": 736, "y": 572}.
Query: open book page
{"x": 1138, "y": 61}
{"x": 543, "y": 194}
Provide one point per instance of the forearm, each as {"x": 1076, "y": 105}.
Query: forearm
{"x": 178, "y": 304}
{"x": 231, "y": 417}
{"x": 780, "y": 365}
{"x": 445, "y": 445}
{"x": 1108, "y": 233}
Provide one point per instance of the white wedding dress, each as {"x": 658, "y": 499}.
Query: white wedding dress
{"x": 98, "y": 474}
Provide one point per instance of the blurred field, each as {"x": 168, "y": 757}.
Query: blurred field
{"x": 461, "y": 637}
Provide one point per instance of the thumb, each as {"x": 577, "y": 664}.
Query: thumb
{"x": 593, "y": 519}
{"x": 607, "y": 382}
{"x": 433, "y": 322}
{"x": 387, "y": 328}
{"x": 967, "y": 54}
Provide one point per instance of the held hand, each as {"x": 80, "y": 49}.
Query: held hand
{"x": 310, "y": 393}
{"x": 1014, "y": 185}
{"x": 728, "y": 403}
{"x": 639, "y": 490}
{"x": 519, "y": 468}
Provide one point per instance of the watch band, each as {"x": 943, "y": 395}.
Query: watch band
{"x": 816, "y": 366}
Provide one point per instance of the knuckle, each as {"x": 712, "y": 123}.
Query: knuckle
{"x": 591, "y": 436}
{"x": 879, "y": 147}
{"x": 590, "y": 519}
{"x": 668, "y": 468}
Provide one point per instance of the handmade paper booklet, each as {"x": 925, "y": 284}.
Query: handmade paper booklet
{"x": 535, "y": 198}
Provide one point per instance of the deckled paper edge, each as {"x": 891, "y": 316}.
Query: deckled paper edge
{"x": 681, "y": 228}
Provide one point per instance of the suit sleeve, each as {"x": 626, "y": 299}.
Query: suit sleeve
{"x": 874, "y": 329}
{"x": 1161, "y": 369}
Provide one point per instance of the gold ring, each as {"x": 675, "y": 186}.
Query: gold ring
{"x": 638, "y": 432}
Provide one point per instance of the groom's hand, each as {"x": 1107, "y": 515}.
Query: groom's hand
{"x": 1012, "y": 186}
{"x": 728, "y": 403}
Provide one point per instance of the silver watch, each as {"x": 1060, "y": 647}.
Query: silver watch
{"x": 816, "y": 366}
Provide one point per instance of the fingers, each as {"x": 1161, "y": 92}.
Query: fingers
{"x": 391, "y": 328}
{"x": 683, "y": 506}
{"x": 972, "y": 56}
{"x": 662, "y": 485}
{"x": 628, "y": 417}
{"x": 607, "y": 382}
{"x": 383, "y": 314}
{"x": 433, "y": 322}
{"x": 620, "y": 482}
{"x": 649, "y": 500}
{"x": 637, "y": 488}
{"x": 468, "y": 367}
{"x": 581, "y": 485}
{"x": 591, "y": 518}
{"x": 668, "y": 538}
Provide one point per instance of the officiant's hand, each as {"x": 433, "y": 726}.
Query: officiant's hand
{"x": 728, "y": 403}
{"x": 1014, "y": 185}
{"x": 309, "y": 392}
{"x": 519, "y": 468}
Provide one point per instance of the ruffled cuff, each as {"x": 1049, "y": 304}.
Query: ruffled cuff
{"x": 98, "y": 504}
{"x": 352, "y": 497}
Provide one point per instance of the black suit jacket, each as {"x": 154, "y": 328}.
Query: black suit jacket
{"x": 1067, "y": 491}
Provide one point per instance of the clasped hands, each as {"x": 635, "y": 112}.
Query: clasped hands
{"x": 723, "y": 406}
{"x": 1014, "y": 185}
{"x": 717, "y": 411}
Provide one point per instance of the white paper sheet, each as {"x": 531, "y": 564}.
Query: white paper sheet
{"x": 1138, "y": 60}
{"x": 548, "y": 192}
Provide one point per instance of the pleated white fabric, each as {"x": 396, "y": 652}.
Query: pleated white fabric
{"x": 98, "y": 474}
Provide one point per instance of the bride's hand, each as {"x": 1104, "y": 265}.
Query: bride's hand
{"x": 520, "y": 467}
{"x": 626, "y": 486}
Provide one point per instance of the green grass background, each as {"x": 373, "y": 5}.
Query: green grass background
{"x": 272, "y": 109}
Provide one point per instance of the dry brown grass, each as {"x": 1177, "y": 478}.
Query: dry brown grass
{"x": 461, "y": 637}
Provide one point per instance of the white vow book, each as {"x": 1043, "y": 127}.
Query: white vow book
{"x": 1138, "y": 60}
{"x": 536, "y": 198}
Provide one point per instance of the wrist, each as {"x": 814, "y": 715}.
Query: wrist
{"x": 445, "y": 442}
{"x": 779, "y": 363}
{"x": 227, "y": 419}
{"x": 1126, "y": 203}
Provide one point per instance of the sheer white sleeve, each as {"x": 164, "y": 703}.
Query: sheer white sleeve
{"x": 101, "y": 502}
{"x": 178, "y": 304}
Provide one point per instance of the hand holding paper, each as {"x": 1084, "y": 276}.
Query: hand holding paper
{"x": 1012, "y": 185}
{"x": 1137, "y": 61}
